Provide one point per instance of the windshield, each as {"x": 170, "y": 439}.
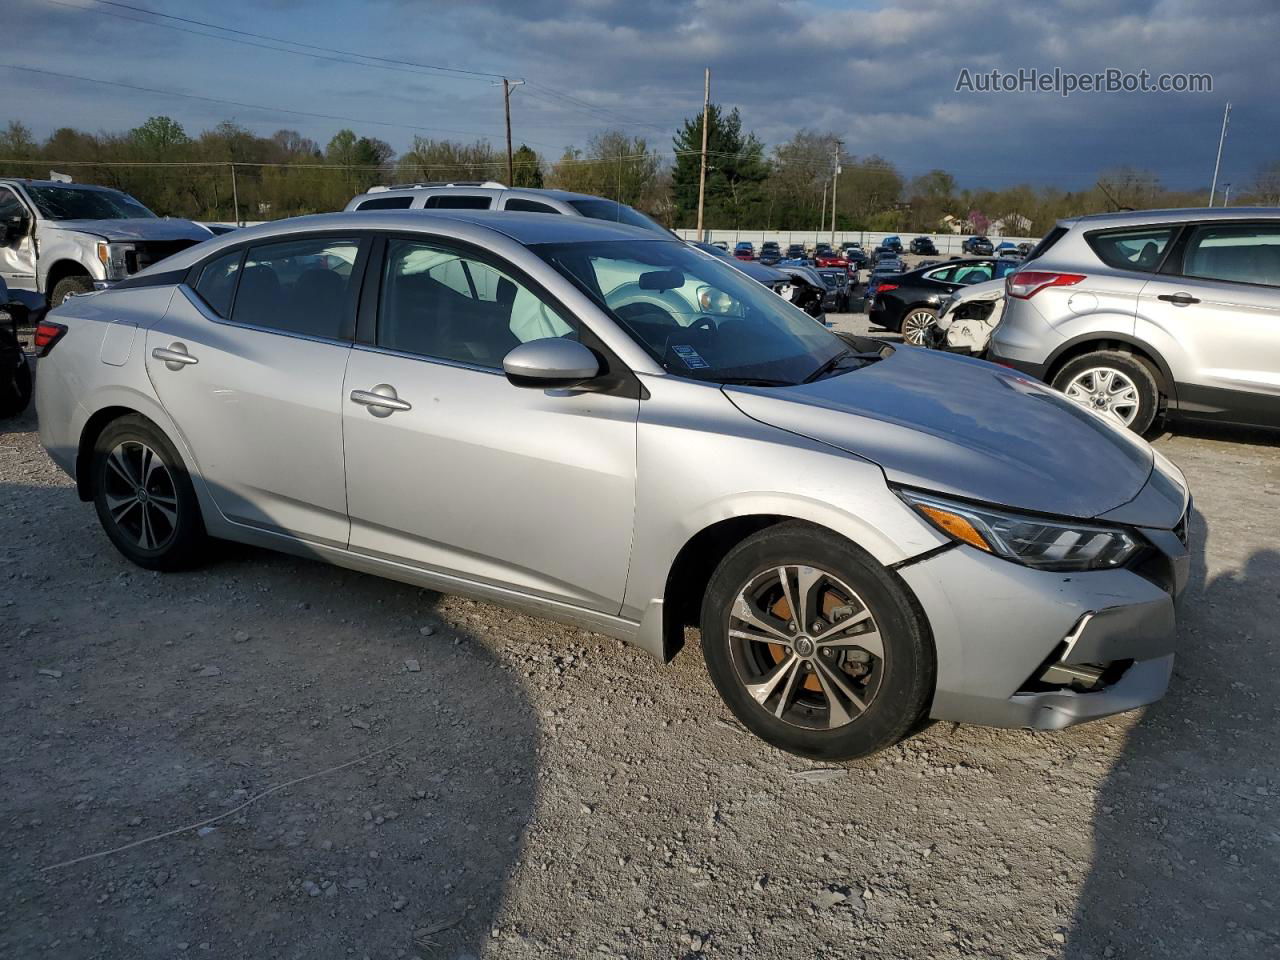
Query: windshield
{"x": 75, "y": 203}
{"x": 697, "y": 316}
{"x": 598, "y": 208}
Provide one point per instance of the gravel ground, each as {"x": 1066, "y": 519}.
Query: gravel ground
{"x": 538, "y": 791}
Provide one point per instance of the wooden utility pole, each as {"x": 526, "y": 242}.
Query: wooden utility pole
{"x": 506, "y": 104}
{"x": 835, "y": 179}
{"x": 235, "y": 193}
{"x": 702, "y": 174}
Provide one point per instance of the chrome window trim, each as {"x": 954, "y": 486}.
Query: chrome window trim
{"x": 441, "y": 361}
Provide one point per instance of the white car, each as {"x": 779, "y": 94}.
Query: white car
{"x": 968, "y": 316}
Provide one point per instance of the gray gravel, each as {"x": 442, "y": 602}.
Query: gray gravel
{"x": 548, "y": 793}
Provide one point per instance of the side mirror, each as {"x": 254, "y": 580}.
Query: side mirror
{"x": 550, "y": 364}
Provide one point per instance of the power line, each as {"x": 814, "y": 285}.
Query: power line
{"x": 240, "y": 103}
{"x": 479, "y": 74}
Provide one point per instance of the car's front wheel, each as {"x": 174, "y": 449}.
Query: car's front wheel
{"x": 917, "y": 323}
{"x": 814, "y": 646}
{"x": 144, "y": 497}
{"x": 1115, "y": 384}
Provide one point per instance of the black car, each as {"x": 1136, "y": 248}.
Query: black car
{"x": 978, "y": 246}
{"x": 837, "y": 282}
{"x": 769, "y": 253}
{"x": 18, "y": 309}
{"x": 854, "y": 253}
{"x": 890, "y": 245}
{"x": 909, "y": 304}
{"x": 886, "y": 268}
{"x": 795, "y": 251}
{"x": 924, "y": 246}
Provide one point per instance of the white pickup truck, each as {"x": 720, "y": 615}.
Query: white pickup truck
{"x": 59, "y": 239}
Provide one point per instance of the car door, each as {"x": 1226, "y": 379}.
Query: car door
{"x": 1214, "y": 315}
{"x": 17, "y": 255}
{"x": 463, "y": 473}
{"x": 249, "y": 361}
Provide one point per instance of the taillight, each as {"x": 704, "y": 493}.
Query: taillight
{"x": 47, "y": 336}
{"x": 1025, "y": 284}
{"x": 886, "y": 286}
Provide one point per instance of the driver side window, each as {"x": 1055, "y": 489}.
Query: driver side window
{"x": 436, "y": 303}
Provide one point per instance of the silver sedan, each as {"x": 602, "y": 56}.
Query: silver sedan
{"x": 616, "y": 430}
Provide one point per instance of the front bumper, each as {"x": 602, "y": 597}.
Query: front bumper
{"x": 1019, "y": 647}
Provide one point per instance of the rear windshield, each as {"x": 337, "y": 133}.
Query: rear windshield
{"x": 1131, "y": 249}
{"x": 1047, "y": 241}
{"x": 598, "y": 208}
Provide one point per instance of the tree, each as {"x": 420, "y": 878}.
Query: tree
{"x": 613, "y": 165}
{"x": 1266, "y": 187}
{"x": 527, "y": 168}
{"x": 159, "y": 137}
{"x": 736, "y": 170}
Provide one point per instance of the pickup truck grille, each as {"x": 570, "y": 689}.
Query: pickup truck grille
{"x": 145, "y": 254}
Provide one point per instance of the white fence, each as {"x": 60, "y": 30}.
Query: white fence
{"x": 948, "y": 244}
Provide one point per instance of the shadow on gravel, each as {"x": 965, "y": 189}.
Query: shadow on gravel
{"x": 132, "y": 703}
{"x": 1187, "y": 827}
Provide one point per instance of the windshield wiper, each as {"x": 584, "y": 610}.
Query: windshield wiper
{"x": 838, "y": 359}
{"x": 754, "y": 382}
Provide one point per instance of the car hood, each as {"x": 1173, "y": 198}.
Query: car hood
{"x": 967, "y": 428}
{"x": 141, "y": 228}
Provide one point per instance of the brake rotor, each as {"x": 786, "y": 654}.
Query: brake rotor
{"x": 782, "y": 610}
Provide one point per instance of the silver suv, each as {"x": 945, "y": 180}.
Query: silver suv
{"x": 491, "y": 195}
{"x": 1136, "y": 314}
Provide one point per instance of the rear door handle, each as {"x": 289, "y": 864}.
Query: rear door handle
{"x": 1178, "y": 299}
{"x": 382, "y": 400}
{"x": 175, "y": 356}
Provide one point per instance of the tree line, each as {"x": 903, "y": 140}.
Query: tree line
{"x": 213, "y": 174}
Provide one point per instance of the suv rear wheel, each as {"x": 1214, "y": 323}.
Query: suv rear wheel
{"x": 814, "y": 646}
{"x": 1113, "y": 383}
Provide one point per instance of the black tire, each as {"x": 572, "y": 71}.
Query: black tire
{"x": 1125, "y": 365}
{"x": 16, "y": 393}
{"x": 68, "y": 286}
{"x": 913, "y": 325}
{"x": 904, "y": 679}
{"x": 174, "y": 544}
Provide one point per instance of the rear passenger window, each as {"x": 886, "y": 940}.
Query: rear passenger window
{"x": 217, "y": 283}
{"x": 453, "y": 201}
{"x": 1139, "y": 249}
{"x": 1238, "y": 254}
{"x": 437, "y": 304}
{"x": 300, "y": 286}
{"x": 529, "y": 206}
{"x": 387, "y": 203}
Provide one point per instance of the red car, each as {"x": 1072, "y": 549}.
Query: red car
{"x": 744, "y": 250}
{"x": 830, "y": 258}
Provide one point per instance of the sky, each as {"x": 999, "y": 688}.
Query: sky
{"x": 881, "y": 75}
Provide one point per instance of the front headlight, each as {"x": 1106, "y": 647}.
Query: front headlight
{"x": 1031, "y": 541}
{"x": 114, "y": 259}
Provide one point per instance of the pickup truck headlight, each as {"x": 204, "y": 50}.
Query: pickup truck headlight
{"x": 1029, "y": 540}
{"x": 115, "y": 259}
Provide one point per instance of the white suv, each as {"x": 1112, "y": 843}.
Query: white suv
{"x": 1134, "y": 314}
{"x": 490, "y": 195}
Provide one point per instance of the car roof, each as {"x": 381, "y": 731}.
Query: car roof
{"x": 1171, "y": 215}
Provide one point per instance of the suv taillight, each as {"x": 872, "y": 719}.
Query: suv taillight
{"x": 47, "y": 336}
{"x": 1025, "y": 284}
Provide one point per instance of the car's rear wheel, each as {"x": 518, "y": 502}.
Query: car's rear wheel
{"x": 814, "y": 646}
{"x": 144, "y": 497}
{"x": 1115, "y": 384}
{"x": 916, "y": 324}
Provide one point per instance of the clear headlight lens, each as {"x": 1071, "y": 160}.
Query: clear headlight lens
{"x": 1031, "y": 541}
{"x": 114, "y": 257}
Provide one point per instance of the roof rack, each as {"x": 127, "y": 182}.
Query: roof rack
{"x": 490, "y": 184}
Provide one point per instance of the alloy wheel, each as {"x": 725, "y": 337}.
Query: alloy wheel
{"x": 141, "y": 496}
{"x": 915, "y": 326}
{"x": 1105, "y": 390}
{"x": 806, "y": 647}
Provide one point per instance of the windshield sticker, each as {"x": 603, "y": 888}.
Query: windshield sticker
{"x": 690, "y": 356}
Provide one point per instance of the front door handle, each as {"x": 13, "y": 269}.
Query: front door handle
{"x": 175, "y": 356}
{"x": 382, "y": 400}
{"x": 1178, "y": 299}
